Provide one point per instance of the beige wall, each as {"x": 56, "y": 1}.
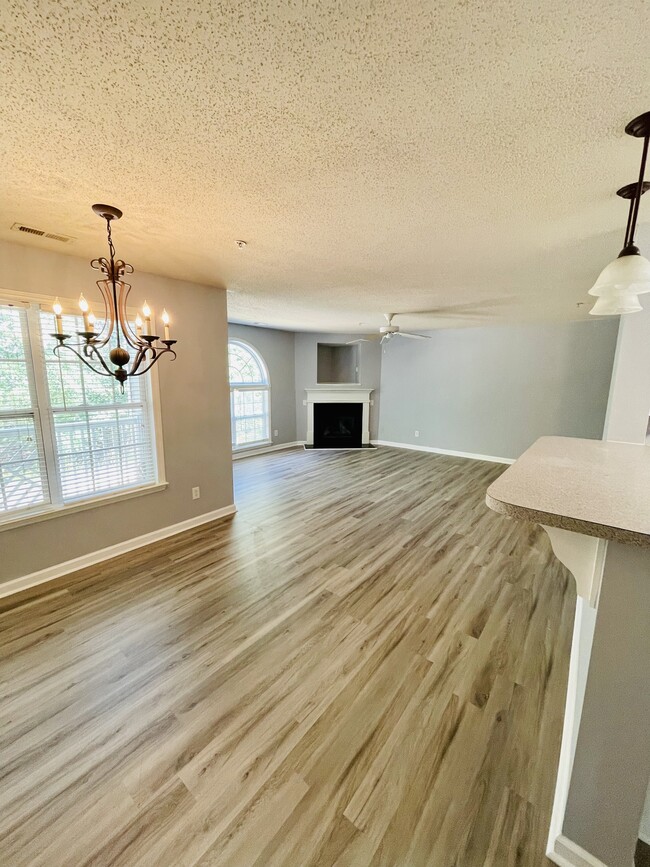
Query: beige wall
{"x": 195, "y": 414}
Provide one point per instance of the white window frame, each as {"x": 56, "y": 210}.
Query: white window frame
{"x": 44, "y": 417}
{"x": 257, "y": 355}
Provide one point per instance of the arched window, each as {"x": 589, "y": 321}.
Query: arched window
{"x": 249, "y": 396}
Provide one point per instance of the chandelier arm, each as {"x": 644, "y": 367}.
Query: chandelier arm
{"x": 125, "y": 288}
{"x": 639, "y": 189}
{"x": 89, "y": 350}
{"x": 137, "y": 361}
{"x": 84, "y": 359}
{"x": 107, "y": 327}
{"x": 157, "y": 355}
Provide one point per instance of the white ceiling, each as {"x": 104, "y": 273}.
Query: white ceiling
{"x": 376, "y": 156}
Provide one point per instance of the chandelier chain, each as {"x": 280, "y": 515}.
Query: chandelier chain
{"x": 111, "y": 247}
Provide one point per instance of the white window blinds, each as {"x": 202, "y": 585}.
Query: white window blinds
{"x": 23, "y": 476}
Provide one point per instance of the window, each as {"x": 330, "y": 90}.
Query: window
{"x": 66, "y": 434}
{"x": 23, "y": 477}
{"x": 249, "y": 396}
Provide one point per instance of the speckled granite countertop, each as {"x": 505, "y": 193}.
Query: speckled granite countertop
{"x": 587, "y": 486}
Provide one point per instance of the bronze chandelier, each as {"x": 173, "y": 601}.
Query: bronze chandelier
{"x": 147, "y": 347}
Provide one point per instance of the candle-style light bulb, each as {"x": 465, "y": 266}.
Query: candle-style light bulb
{"x": 138, "y": 325}
{"x": 146, "y": 311}
{"x": 165, "y": 319}
{"x": 83, "y": 306}
{"x": 58, "y": 321}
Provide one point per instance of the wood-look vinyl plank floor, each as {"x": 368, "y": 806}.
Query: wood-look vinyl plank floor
{"x": 364, "y": 667}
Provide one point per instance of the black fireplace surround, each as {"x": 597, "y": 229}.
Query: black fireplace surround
{"x": 337, "y": 425}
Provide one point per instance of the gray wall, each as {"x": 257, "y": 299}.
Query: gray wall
{"x": 277, "y": 350}
{"x": 306, "y": 357}
{"x": 195, "y": 415}
{"x": 494, "y": 391}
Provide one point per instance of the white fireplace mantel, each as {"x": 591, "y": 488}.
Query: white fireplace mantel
{"x": 339, "y": 394}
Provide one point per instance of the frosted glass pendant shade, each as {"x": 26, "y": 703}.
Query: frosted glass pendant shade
{"x": 625, "y": 275}
{"x": 613, "y": 305}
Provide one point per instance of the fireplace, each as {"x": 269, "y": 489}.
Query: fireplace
{"x": 338, "y": 416}
{"x": 337, "y": 425}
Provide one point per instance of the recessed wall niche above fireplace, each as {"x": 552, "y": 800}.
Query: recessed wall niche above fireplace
{"x": 338, "y": 417}
{"x": 337, "y": 363}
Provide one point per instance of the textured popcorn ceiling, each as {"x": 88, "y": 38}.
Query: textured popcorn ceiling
{"x": 375, "y": 156}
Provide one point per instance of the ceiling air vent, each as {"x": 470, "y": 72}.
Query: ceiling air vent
{"x": 29, "y": 230}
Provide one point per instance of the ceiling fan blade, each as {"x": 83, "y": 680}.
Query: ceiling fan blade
{"x": 414, "y": 336}
{"x": 469, "y": 308}
{"x": 369, "y": 339}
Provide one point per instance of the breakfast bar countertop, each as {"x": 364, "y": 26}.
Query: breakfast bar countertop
{"x": 586, "y": 486}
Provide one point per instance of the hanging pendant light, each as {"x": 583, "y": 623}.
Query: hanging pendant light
{"x": 116, "y": 330}
{"x": 628, "y": 276}
{"x": 616, "y": 304}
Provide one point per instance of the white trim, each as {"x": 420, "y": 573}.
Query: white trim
{"x": 48, "y": 511}
{"x": 566, "y": 853}
{"x": 246, "y": 453}
{"x": 475, "y": 457}
{"x": 583, "y": 630}
{"x": 339, "y": 394}
{"x": 56, "y": 571}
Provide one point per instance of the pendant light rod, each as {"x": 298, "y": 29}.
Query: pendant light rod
{"x": 639, "y": 190}
{"x": 639, "y": 128}
{"x": 630, "y": 192}
{"x": 619, "y": 284}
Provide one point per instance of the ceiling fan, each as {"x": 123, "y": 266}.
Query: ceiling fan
{"x": 470, "y": 312}
{"x": 390, "y": 330}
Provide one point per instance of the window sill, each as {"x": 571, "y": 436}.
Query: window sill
{"x": 59, "y": 511}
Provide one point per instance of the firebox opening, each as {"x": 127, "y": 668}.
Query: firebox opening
{"x": 337, "y": 425}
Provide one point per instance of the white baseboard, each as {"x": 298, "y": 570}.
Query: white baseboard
{"x": 56, "y": 571}
{"x": 566, "y": 853}
{"x": 247, "y": 453}
{"x": 453, "y": 453}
